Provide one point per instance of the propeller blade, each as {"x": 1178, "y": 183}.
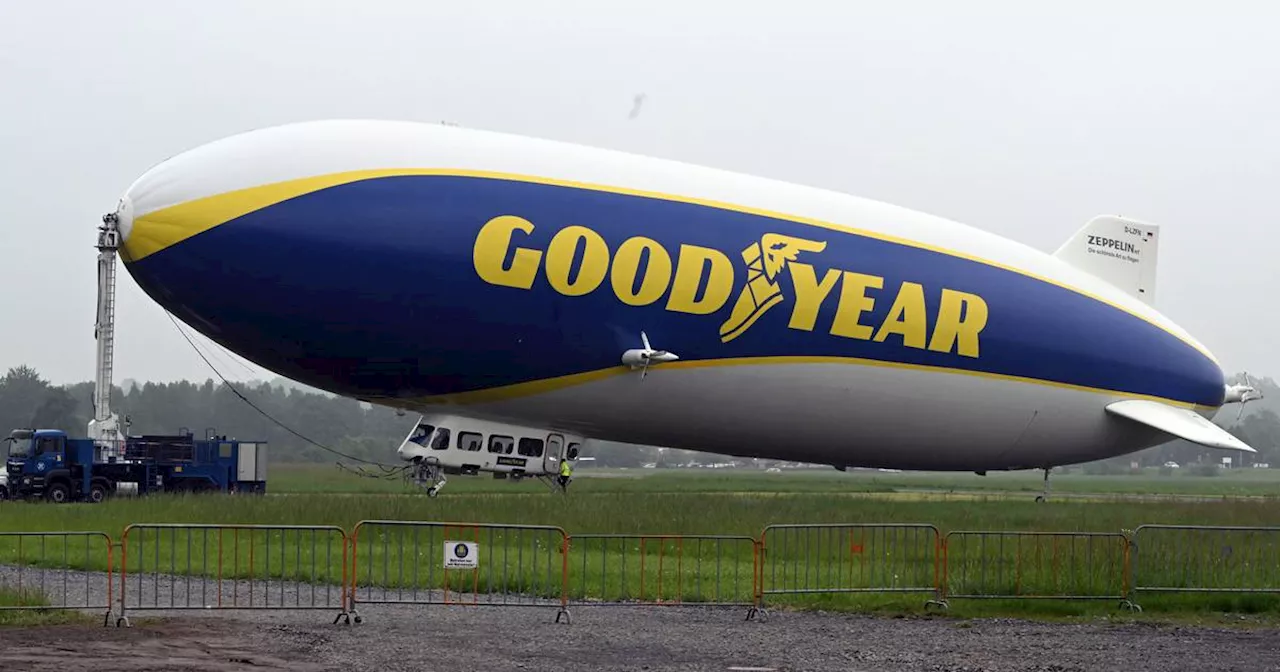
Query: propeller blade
{"x": 644, "y": 338}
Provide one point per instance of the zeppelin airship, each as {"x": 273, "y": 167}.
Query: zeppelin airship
{"x": 478, "y": 278}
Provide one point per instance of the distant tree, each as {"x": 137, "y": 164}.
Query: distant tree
{"x": 22, "y": 391}
{"x": 1261, "y": 430}
{"x": 58, "y": 411}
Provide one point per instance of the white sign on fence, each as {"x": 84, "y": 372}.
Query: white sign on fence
{"x": 461, "y": 554}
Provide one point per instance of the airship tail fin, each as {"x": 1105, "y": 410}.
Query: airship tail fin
{"x": 1180, "y": 422}
{"x": 1118, "y": 250}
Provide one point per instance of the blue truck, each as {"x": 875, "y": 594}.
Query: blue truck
{"x": 45, "y": 464}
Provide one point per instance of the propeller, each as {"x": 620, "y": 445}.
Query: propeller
{"x": 641, "y": 358}
{"x": 1243, "y": 393}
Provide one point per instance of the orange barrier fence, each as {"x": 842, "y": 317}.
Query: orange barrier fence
{"x": 163, "y": 567}
{"x": 850, "y": 558}
{"x": 409, "y": 562}
{"x": 179, "y": 566}
{"x": 56, "y": 571}
{"x": 1204, "y": 559}
{"x": 695, "y": 570}
{"x": 1036, "y": 565}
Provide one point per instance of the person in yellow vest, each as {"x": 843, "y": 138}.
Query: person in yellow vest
{"x": 565, "y": 472}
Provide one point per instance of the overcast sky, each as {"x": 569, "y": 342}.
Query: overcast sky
{"x": 1006, "y": 116}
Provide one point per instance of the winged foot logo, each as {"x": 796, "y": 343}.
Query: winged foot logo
{"x": 765, "y": 262}
{"x": 700, "y": 280}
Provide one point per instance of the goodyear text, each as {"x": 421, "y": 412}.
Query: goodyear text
{"x": 701, "y": 280}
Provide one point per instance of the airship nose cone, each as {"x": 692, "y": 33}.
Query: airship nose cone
{"x": 124, "y": 218}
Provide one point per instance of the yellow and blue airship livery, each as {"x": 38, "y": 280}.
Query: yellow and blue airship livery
{"x": 419, "y": 266}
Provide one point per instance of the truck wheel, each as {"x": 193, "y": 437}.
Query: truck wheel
{"x": 58, "y": 493}
{"x": 97, "y": 493}
{"x": 4, "y": 494}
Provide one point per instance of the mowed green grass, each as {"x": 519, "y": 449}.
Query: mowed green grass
{"x": 1229, "y": 483}
{"x": 656, "y": 501}
{"x": 712, "y": 502}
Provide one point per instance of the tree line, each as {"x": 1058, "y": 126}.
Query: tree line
{"x": 365, "y": 431}
{"x": 372, "y": 432}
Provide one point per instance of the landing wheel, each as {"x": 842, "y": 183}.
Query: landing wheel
{"x": 431, "y": 474}
{"x": 1045, "y": 496}
{"x": 1041, "y": 498}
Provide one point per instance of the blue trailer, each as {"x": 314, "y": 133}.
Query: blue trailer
{"x": 47, "y": 464}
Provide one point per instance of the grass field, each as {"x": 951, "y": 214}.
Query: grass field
{"x": 719, "y": 502}
{"x": 1230, "y": 483}
{"x": 705, "y": 502}
{"x": 9, "y": 616}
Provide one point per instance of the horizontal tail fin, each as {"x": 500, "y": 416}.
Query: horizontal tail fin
{"x": 1179, "y": 422}
{"x": 1120, "y": 251}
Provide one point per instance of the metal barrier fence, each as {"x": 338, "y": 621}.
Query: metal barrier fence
{"x": 850, "y": 558}
{"x": 1036, "y": 565}
{"x": 41, "y": 571}
{"x": 696, "y": 570}
{"x": 407, "y": 562}
{"x": 1204, "y": 559}
{"x": 177, "y": 566}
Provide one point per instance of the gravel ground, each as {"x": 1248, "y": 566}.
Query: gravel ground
{"x": 639, "y": 638}
{"x": 396, "y": 637}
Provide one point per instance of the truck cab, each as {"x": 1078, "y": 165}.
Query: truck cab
{"x": 16, "y": 449}
{"x": 4, "y": 471}
{"x": 44, "y": 463}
